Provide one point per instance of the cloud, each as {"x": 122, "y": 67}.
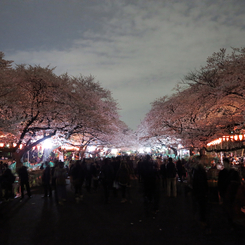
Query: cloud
{"x": 140, "y": 50}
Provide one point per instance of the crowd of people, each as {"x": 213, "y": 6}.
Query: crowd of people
{"x": 224, "y": 185}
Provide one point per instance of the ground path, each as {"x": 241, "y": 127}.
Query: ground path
{"x": 39, "y": 221}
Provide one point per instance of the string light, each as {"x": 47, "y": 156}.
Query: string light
{"x": 239, "y": 137}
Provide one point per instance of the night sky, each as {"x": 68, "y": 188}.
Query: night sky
{"x": 137, "y": 49}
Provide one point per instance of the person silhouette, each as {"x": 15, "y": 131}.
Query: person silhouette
{"x": 46, "y": 180}
{"x": 228, "y": 184}
{"x": 24, "y": 181}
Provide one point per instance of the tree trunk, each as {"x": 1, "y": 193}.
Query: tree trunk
{"x": 202, "y": 151}
{"x": 82, "y": 151}
{"x": 18, "y": 154}
{"x": 17, "y": 157}
{"x": 191, "y": 151}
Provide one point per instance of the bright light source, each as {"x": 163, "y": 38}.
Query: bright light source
{"x": 47, "y": 144}
{"x": 91, "y": 148}
{"x": 113, "y": 151}
{"x": 141, "y": 150}
{"x": 148, "y": 149}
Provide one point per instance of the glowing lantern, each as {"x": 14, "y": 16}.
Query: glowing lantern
{"x": 227, "y": 138}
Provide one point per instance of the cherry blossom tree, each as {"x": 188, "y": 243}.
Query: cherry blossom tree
{"x": 152, "y": 132}
{"x": 95, "y": 115}
{"x": 207, "y": 104}
{"x": 31, "y": 107}
{"x": 36, "y": 104}
{"x": 220, "y": 88}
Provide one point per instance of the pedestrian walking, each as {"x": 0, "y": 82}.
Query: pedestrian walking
{"x": 200, "y": 194}
{"x": 88, "y": 178}
{"x": 180, "y": 169}
{"x": 123, "y": 179}
{"x": 24, "y": 181}
{"x": 53, "y": 179}
{"x": 228, "y": 184}
{"x": 60, "y": 174}
{"x": 107, "y": 178}
{"x": 163, "y": 173}
{"x": 171, "y": 178}
{"x": 76, "y": 177}
{"x": 46, "y": 180}
{"x": 7, "y": 181}
{"x": 116, "y": 162}
{"x": 151, "y": 184}
{"x": 95, "y": 169}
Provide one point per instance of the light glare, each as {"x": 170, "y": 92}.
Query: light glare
{"x": 47, "y": 144}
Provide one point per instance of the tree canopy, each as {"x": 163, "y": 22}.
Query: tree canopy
{"x": 36, "y": 104}
{"x": 207, "y": 104}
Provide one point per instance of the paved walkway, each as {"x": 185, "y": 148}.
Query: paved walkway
{"x": 39, "y": 221}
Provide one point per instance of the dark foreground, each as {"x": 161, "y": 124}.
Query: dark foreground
{"x": 91, "y": 221}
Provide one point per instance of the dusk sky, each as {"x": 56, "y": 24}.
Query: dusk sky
{"x": 139, "y": 50}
